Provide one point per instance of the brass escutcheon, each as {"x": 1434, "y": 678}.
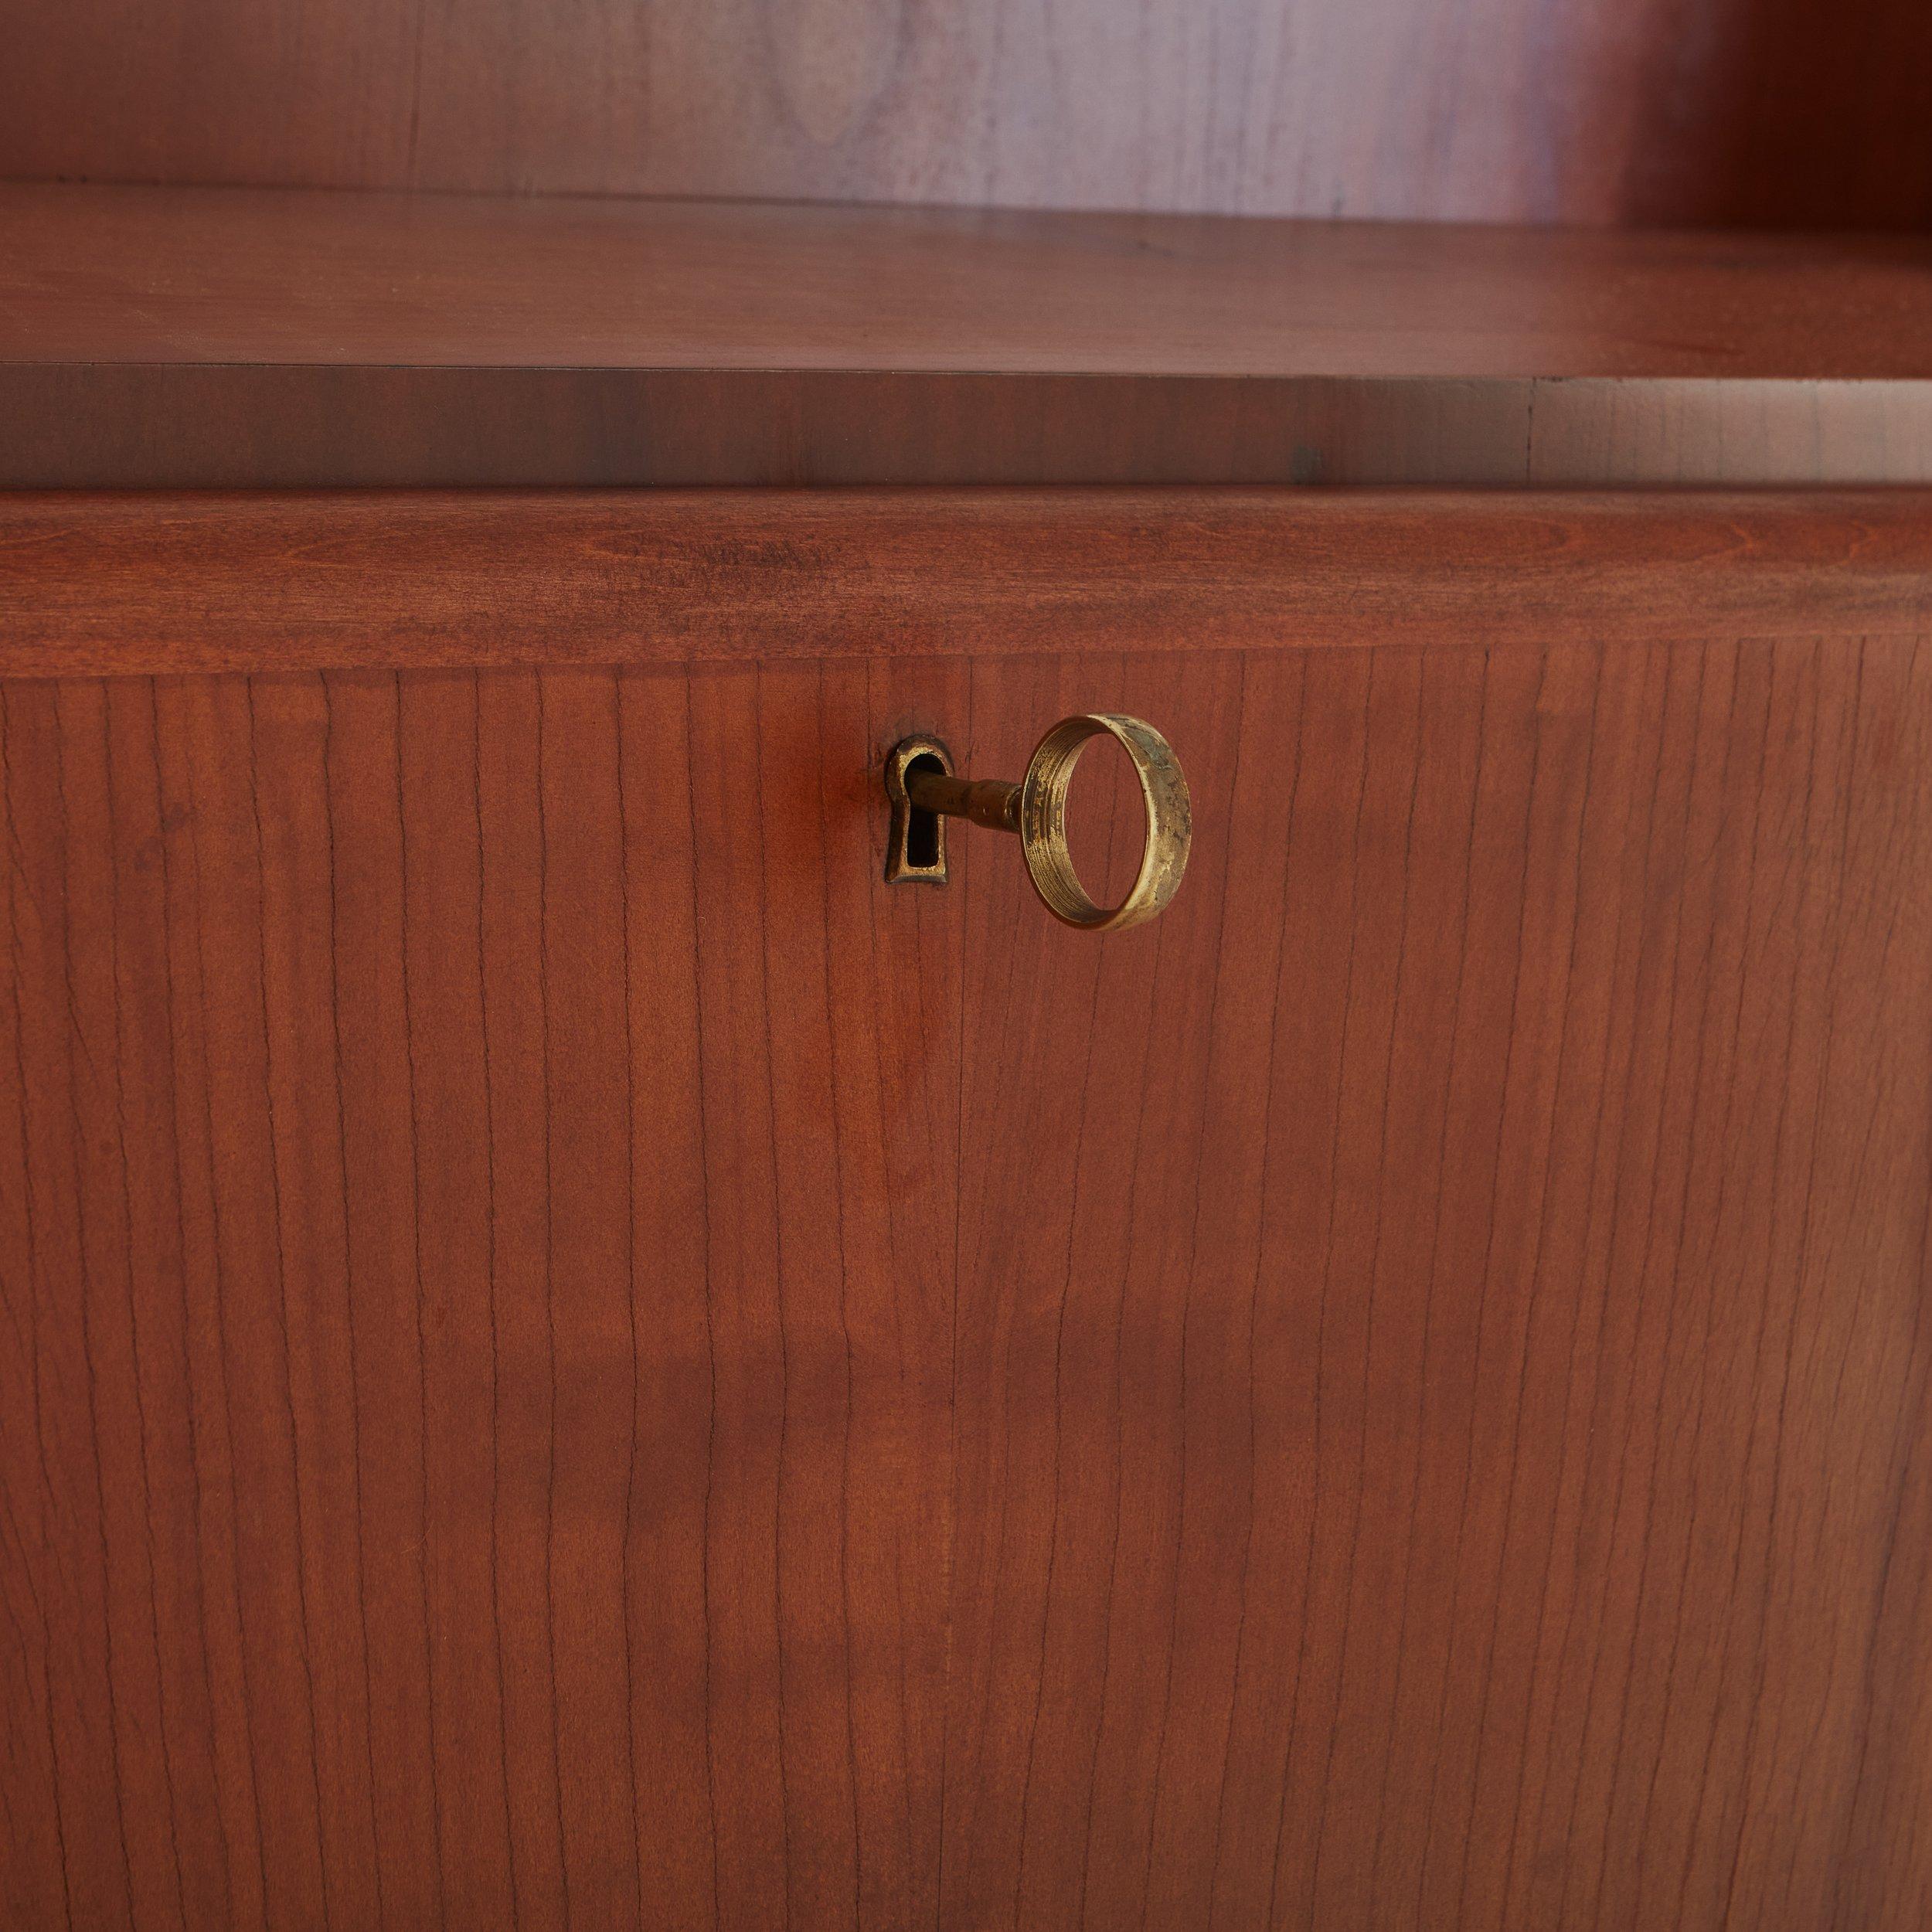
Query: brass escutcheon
{"x": 924, "y": 793}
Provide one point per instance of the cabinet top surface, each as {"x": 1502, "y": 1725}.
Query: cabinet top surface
{"x": 142, "y": 275}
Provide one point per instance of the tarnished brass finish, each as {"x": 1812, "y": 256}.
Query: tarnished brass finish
{"x": 915, "y": 847}
{"x": 924, "y": 793}
{"x": 991, "y": 802}
{"x": 1042, "y": 820}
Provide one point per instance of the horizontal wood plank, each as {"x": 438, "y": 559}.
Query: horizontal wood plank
{"x": 203, "y": 339}
{"x": 202, "y": 426}
{"x": 104, "y": 274}
{"x": 116, "y": 583}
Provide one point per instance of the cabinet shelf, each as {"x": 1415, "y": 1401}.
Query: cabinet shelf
{"x": 171, "y": 337}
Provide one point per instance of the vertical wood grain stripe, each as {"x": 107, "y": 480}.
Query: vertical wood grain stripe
{"x": 1459, "y": 1475}
{"x": 568, "y": 1356}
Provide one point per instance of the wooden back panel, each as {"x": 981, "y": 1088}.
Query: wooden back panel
{"x": 1639, "y": 111}
{"x": 568, "y": 1351}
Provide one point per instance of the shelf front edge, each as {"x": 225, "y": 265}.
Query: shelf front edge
{"x": 94, "y": 584}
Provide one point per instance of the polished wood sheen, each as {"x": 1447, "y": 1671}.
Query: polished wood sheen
{"x": 94, "y": 274}
{"x": 571, "y": 1354}
{"x": 122, "y": 583}
{"x": 468, "y": 1455}
{"x": 1637, "y": 111}
{"x": 157, "y": 339}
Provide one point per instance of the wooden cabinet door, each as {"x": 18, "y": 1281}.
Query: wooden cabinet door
{"x": 1442, "y": 1418}
{"x": 571, "y": 1356}
{"x": 480, "y": 1191}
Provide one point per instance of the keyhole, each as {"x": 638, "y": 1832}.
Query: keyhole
{"x": 922, "y": 827}
{"x": 916, "y": 845}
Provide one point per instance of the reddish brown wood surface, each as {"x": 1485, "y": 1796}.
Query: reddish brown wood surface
{"x": 92, "y": 275}
{"x": 207, "y": 427}
{"x": 1442, "y": 1416}
{"x": 112, "y": 583}
{"x": 567, "y": 1350}
{"x": 1648, "y": 111}
{"x": 175, "y": 338}
{"x": 468, "y": 1455}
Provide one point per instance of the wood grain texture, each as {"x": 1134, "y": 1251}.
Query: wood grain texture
{"x": 191, "y": 582}
{"x": 167, "y": 339}
{"x": 93, "y": 274}
{"x": 172, "y": 426}
{"x": 1658, "y": 112}
{"x": 467, "y": 1455}
{"x": 1442, "y": 1407}
{"x": 569, "y": 1353}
